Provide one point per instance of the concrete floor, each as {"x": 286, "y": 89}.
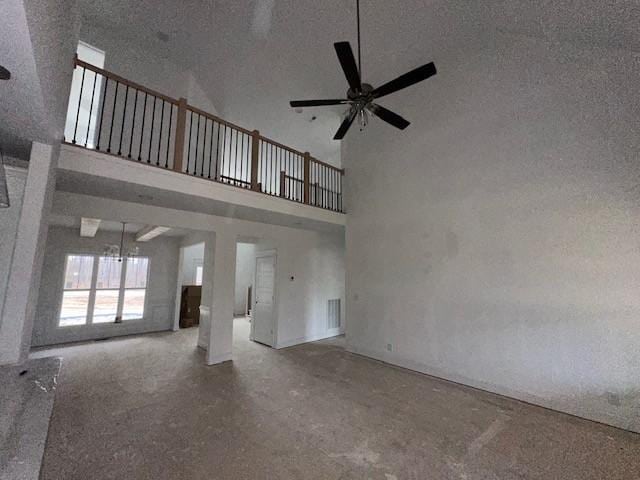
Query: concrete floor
{"x": 147, "y": 408}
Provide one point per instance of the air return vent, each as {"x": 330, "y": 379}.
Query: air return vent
{"x": 333, "y": 314}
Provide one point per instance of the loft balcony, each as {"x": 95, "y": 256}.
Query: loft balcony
{"x": 119, "y": 131}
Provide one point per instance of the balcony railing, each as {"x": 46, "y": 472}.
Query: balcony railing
{"x": 113, "y": 115}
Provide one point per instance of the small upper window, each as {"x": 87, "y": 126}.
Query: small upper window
{"x": 83, "y": 110}
{"x": 90, "y": 54}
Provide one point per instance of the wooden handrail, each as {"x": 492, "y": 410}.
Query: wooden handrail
{"x": 257, "y": 158}
{"x": 325, "y": 164}
{"x": 217, "y": 119}
{"x": 298, "y": 152}
{"x": 211, "y": 116}
{"x": 124, "y": 81}
{"x": 280, "y": 145}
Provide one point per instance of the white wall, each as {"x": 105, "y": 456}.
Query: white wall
{"x": 499, "y": 248}
{"x": 53, "y": 27}
{"x": 193, "y": 256}
{"x": 160, "y": 296}
{"x": 9, "y": 217}
{"x": 127, "y": 59}
{"x": 245, "y": 271}
{"x": 316, "y": 264}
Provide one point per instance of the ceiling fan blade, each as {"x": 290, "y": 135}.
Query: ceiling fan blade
{"x": 316, "y": 103}
{"x": 388, "y": 116}
{"x": 346, "y": 123}
{"x": 403, "y": 81}
{"x": 349, "y": 65}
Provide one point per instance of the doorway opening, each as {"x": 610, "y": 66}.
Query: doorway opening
{"x": 255, "y": 314}
{"x": 189, "y": 286}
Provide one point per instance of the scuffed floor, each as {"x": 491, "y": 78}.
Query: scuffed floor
{"x": 147, "y": 408}
{"x": 26, "y": 400}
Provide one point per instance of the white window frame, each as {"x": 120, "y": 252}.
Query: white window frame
{"x": 64, "y": 277}
{"x": 97, "y": 58}
{"x": 123, "y": 288}
{"x": 93, "y": 289}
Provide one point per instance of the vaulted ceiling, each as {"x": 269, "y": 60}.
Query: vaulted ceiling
{"x": 37, "y": 40}
{"x": 253, "y": 56}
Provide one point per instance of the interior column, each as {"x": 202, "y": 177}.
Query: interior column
{"x": 26, "y": 266}
{"x": 220, "y": 299}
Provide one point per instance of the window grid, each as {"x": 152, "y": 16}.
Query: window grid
{"x": 117, "y": 290}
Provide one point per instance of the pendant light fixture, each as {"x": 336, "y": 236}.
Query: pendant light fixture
{"x": 117, "y": 251}
{"x": 4, "y": 189}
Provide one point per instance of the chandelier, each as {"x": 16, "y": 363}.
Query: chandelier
{"x": 117, "y": 251}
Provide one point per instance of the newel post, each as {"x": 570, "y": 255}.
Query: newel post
{"x": 255, "y": 152}
{"x": 178, "y": 152}
{"x": 307, "y": 176}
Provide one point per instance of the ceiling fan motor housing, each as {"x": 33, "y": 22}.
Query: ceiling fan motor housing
{"x": 363, "y": 94}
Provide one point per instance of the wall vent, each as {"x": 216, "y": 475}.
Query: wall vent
{"x": 333, "y": 314}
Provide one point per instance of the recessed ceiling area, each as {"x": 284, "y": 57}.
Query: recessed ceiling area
{"x": 57, "y": 220}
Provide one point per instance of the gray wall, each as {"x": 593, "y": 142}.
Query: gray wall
{"x": 9, "y": 217}
{"x": 193, "y": 255}
{"x": 309, "y": 272}
{"x": 161, "y": 290}
{"x": 495, "y": 241}
{"x": 245, "y": 271}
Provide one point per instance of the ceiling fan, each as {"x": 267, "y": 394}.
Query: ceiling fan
{"x": 361, "y": 96}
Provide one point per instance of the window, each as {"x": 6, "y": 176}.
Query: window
{"x": 105, "y": 308}
{"x": 82, "y": 120}
{"x": 100, "y": 295}
{"x": 135, "y": 287}
{"x": 77, "y": 290}
{"x": 198, "y": 275}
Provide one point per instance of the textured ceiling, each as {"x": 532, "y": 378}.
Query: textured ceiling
{"x": 37, "y": 40}
{"x": 254, "y": 56}
{"x": 22, "y": 114}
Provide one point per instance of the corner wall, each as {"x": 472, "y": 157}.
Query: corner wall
{"x": 495, "y": 241}
{"x": 9, "y": 218}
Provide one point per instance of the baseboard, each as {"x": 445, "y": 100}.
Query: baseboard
{"x": 568, "y": 405}
{"x": 334, "y": 332}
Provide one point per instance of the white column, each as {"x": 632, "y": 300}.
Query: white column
{"x": 26, "y": 266}
{"x": 221, "y": 298}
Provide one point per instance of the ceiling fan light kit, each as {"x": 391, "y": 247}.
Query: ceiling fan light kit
{"x": 361, "y": 96}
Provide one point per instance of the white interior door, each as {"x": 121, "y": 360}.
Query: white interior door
{"x": 264, "y": 302}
